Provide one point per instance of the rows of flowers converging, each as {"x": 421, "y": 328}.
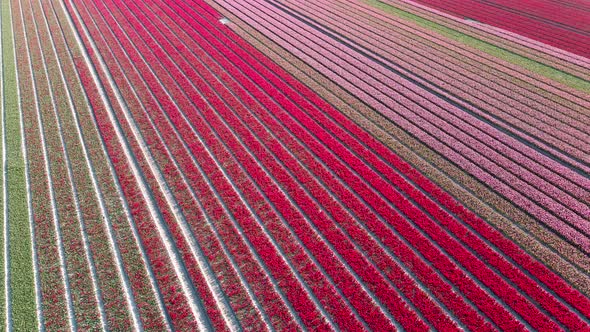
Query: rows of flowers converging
{"x": 259, "y": 205}
{"x": 445, "y": 127}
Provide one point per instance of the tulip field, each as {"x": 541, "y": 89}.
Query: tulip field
{"x": 288, "y": 165}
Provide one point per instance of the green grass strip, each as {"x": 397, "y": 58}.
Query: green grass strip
{"x": 2, "y": 260}
{"x": 491, "y": 49}
{"x": 22, "y": 286}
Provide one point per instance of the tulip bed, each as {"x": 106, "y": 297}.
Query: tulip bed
{"x": 180, "y": 176}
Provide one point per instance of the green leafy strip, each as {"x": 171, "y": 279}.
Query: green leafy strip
{"x": 24, "y": 315}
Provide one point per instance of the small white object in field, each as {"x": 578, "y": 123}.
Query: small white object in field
{"x": 224, "y": 20}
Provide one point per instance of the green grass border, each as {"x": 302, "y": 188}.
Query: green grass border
{"x": 22, "y": 285}
{"x": 491, "y": 49}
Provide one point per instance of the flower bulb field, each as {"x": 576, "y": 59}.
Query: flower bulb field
{"x": 295, "y": 165}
